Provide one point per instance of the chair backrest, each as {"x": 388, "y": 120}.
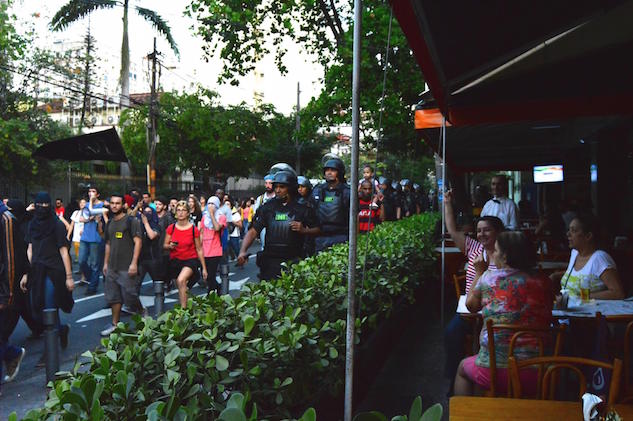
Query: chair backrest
{"x": 460, "y": 284}
{"x": 537, "y": 332}
{"x": 627, "y": 381}
{"x": 554, "y": 364}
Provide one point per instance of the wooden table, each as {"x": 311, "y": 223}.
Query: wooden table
{"x": 479, "y": 408}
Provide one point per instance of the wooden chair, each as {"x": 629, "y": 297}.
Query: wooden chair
{"x": 538, "y": 332}
{"x": 547, "y": 381}
{"x": 459, "y": 281}
{"x": 628, "y": 381}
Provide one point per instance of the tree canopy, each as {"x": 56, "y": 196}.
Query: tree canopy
{"x": 215, "y": 141}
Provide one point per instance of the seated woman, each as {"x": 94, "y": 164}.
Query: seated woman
{"x": 587, "y": 261}
{"x": 487, "y": 228}
{"x": 507, "y": 295}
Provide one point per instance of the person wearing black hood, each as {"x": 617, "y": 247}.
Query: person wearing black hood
{"x": 50, "y": 282}
{"x": 10, "y": 271}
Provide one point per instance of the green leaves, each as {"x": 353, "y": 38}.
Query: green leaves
{"x": 281, "y": 342}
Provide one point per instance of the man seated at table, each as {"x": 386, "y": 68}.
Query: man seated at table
{"x": 588, "y": 264}
{"x": 508, "y": 294}
{"x": 500, "y": 205}
{"x": 487, "y": 230}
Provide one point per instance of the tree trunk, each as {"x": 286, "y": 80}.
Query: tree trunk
{"x": 124, "y": 101}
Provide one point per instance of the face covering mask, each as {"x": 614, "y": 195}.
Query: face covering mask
{"x": 41, "y": 212}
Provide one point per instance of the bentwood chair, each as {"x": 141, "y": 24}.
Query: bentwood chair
{"x": 552, "y": 365}
{"x": 628, "y": 349}
{"x": 459, "y": 282}
{"x": 541, "y": 334}
{"x": 621, "y": 347}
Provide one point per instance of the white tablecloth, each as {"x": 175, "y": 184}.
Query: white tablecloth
{"x": 576, "y": 309}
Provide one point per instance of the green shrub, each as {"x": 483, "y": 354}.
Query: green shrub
{"x": 281, "y": 342}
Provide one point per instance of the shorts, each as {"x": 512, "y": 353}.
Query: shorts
{"x": 120, "y": 288}
{"x": 176, "y": 265}
{"x": 481, "y": 377}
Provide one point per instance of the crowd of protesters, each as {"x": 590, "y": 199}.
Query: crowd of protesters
{"x": 120, "y": 239}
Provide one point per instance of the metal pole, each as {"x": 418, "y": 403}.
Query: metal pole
{"x": 159, "y": 297}
{"x": 224, "y": 276}
{"x": 297, "y": 128}
{"x": 443, "y": 218}
{"x": 51, "y": 341}
{"x": 353, "y": 221}
{"x": 151, "y": 172}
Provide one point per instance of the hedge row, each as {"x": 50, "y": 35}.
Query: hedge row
{"x": 281, "y": 342}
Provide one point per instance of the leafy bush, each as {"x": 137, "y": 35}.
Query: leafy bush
{"x": 281, "y": 342}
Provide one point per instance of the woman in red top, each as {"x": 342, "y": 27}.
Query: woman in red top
{"x": 182, "y": 239}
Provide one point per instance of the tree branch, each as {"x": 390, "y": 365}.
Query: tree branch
{"x": 336, "y": 17}
{"x": 337, "y": 35}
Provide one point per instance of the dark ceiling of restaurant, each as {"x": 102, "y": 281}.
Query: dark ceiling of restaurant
{"x": 520, "y": 145}
{"x": 500, "y": 61}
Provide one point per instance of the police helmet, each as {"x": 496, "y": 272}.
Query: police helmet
{"x": 384, "y": 180}
{"x": 282, "y": 166}
{"x": 416, "y": 186}
{"x": 395, "y": 185}
{"x": 269, "y": 177}
{"x": 337, "y": 164}
{"x": 286, "y": 177}
{"x": 405, "y": 182}
{"x": 304, "y": 181}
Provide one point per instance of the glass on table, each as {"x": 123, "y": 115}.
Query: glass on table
{"x": 585, "y": 288}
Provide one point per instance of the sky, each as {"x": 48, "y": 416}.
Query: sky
{"x": 191, "y": 68}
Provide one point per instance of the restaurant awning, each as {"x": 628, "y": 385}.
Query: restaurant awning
{"x": 104, "y": 145}
{"x": 498, "y": 61}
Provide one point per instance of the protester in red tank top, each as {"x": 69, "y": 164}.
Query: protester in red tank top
{"x": 182, "y": 239}
{"x": 368, "y": 211}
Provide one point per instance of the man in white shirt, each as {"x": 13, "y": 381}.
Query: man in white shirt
{"x": 500, "y": 205}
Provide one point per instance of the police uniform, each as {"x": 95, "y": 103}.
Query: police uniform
{"x": 332, "y": 209}
{"x": 282, "y": 243}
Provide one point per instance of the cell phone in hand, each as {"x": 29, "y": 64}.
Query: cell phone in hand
{"x": 175, "y": 243}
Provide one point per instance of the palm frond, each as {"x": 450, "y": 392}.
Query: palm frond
{"x": 160, "y": 25}
{"x": 77, "y": 9}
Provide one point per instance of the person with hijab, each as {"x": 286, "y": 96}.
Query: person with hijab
{"x": 211, "y": 226}
{"x": 50, "y": 282}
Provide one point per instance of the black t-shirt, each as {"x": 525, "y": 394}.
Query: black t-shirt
{"x": 46, "y": 250}
{"x": 281, "y": 241}
{"x": 120, "y": 235}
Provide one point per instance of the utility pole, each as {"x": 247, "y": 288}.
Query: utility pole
{"x": 151, "y": 128}
{"x": 297, "y": 128}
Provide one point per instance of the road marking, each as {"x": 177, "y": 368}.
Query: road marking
{"x": 146, "y": 300}
{"x": 101, "y": 295}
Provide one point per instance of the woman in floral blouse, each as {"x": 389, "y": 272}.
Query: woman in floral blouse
{"x": 508, "y": 294}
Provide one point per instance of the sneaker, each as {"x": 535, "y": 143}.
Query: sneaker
{"x": 126, "y": 309}
{"x": 13, "y": 366}
{"x": 63, "y": 336}
{"x": 108, "y": 330}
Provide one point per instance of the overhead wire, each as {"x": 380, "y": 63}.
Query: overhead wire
{"x": 378, "y": 143}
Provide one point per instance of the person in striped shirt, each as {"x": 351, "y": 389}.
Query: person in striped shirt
{"x": 487, "y": 228}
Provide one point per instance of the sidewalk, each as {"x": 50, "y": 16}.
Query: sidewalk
{"x": 414, "y": 368}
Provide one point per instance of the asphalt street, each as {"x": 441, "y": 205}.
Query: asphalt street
{"x": 88, "y": 318}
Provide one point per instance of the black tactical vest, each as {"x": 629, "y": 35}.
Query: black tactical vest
{"x": 333, "y": 208}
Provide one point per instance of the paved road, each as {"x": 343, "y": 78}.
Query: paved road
{"x": 87, "y": 319}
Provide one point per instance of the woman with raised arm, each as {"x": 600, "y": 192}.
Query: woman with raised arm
{"x": 488, "y": 227}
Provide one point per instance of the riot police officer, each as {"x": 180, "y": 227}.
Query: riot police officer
{"x": 332, "y": 199}
{"x": 305, "y": 197}
{"x": 409, "y": 204}
{"x": 287, "y": 223}
{"x": 390, "y": 202}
